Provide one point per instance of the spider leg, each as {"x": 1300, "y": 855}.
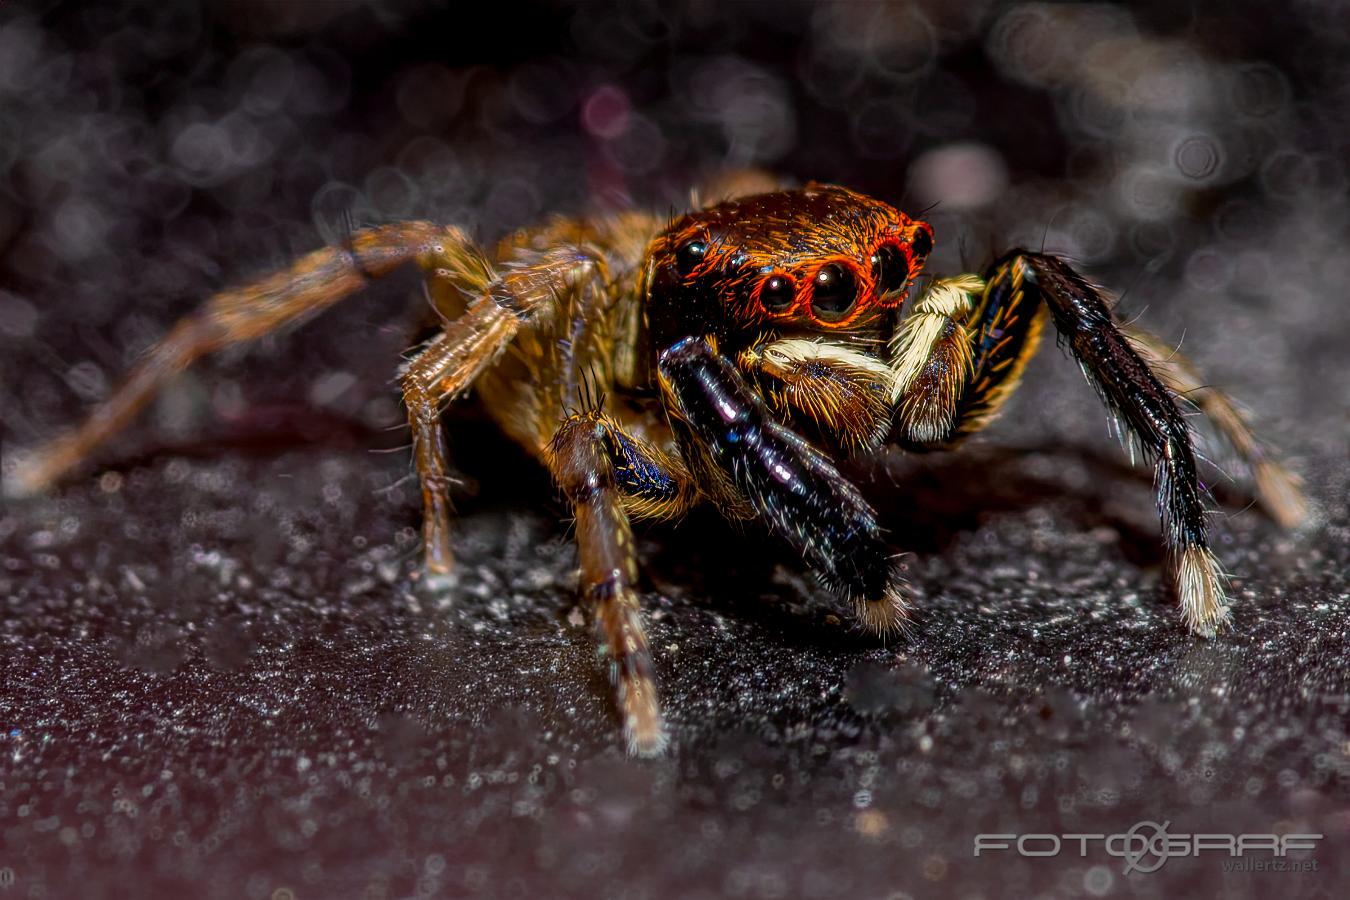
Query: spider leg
{"x": 1001, "y": 326}
{"x": 314, "y": 282}
{"x": 603, "y": 471}
{"x": 1277, "y": 488}
{"x": 958, "y": 357}
{"x": 728, "y": 185}
{"x": 794, "y": 487}
{"x": 440, "y": 370}
{"x": 451, "y": 362}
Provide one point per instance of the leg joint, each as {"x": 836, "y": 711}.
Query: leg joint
{"x": 576, "y": 456}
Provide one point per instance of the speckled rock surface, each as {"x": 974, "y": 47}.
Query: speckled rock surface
{"x": 220, "y": 676}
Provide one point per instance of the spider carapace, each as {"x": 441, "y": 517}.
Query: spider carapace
{"x": 729, "y": 356}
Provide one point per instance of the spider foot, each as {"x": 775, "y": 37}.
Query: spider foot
{"x": 1199, "y": 586}
{"x": 438, "y": 560}
{"x": 889, "y": 613}
{"x": 643, "y": 728}
{"x": 24, "y": 477}
{"x": 623, "y": 641}
{"x": 434, "y": 582}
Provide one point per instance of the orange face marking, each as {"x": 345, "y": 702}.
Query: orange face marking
{"x": 820, "y": 259}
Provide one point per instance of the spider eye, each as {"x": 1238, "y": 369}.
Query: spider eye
{"x": 689, "y": 254}
{"x": 890, "y": 269}
{"x": 777, "y": 294}
{"x": 922, "y": 244}
{"x": 833, "y": 292}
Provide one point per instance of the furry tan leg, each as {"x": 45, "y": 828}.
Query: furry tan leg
{"x": 1278, "y": 489}
{"x": 580, "y": 461}
{"x": 313, "y": 283}
{"x": 451, "y": 362}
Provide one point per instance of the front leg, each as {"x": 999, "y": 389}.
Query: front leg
{"x": 1001, "y": 322}
{"x": 796, "y": 489}
{"x": 603, "y": 472}
{"x": 1147, "y": 408}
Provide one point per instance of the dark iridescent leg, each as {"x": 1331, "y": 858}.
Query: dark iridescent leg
{"x": 1146, "y": 408}
{"x": 1000, "y": 325}
{"x": 794, "y": 487}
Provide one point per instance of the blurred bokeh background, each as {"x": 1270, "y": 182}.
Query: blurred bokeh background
{"x": 216, "y": 679}
{"x": 153, "y": 152}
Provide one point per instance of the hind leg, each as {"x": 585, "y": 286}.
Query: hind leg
{"x": 1278, "y": 489}
{"x": 315, "y": 282}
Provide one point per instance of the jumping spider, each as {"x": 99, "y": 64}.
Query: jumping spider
{"x": 742, "y": 348}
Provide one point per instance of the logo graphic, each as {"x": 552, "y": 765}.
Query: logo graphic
{"x": 1147, "y": 846}
{"x": 1156, "y": 845}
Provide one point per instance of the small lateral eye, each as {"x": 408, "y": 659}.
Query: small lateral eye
{"x": 922, "y": 244}
{"x": 890, "y": 269}
{"x": 777, "y": 293}
{"x": 833, "y": 292}
{"x": 689, "y": 254}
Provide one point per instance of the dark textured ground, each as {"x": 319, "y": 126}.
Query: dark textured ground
{"x": 218, "y": 673}
{"x": 220, "y": 678}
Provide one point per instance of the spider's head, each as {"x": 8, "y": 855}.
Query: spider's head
{"x": 814, "y": 261}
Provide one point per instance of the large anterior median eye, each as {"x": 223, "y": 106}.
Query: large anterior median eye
{"x": 833, "y": 293}
{"x": 890, "y": 269}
